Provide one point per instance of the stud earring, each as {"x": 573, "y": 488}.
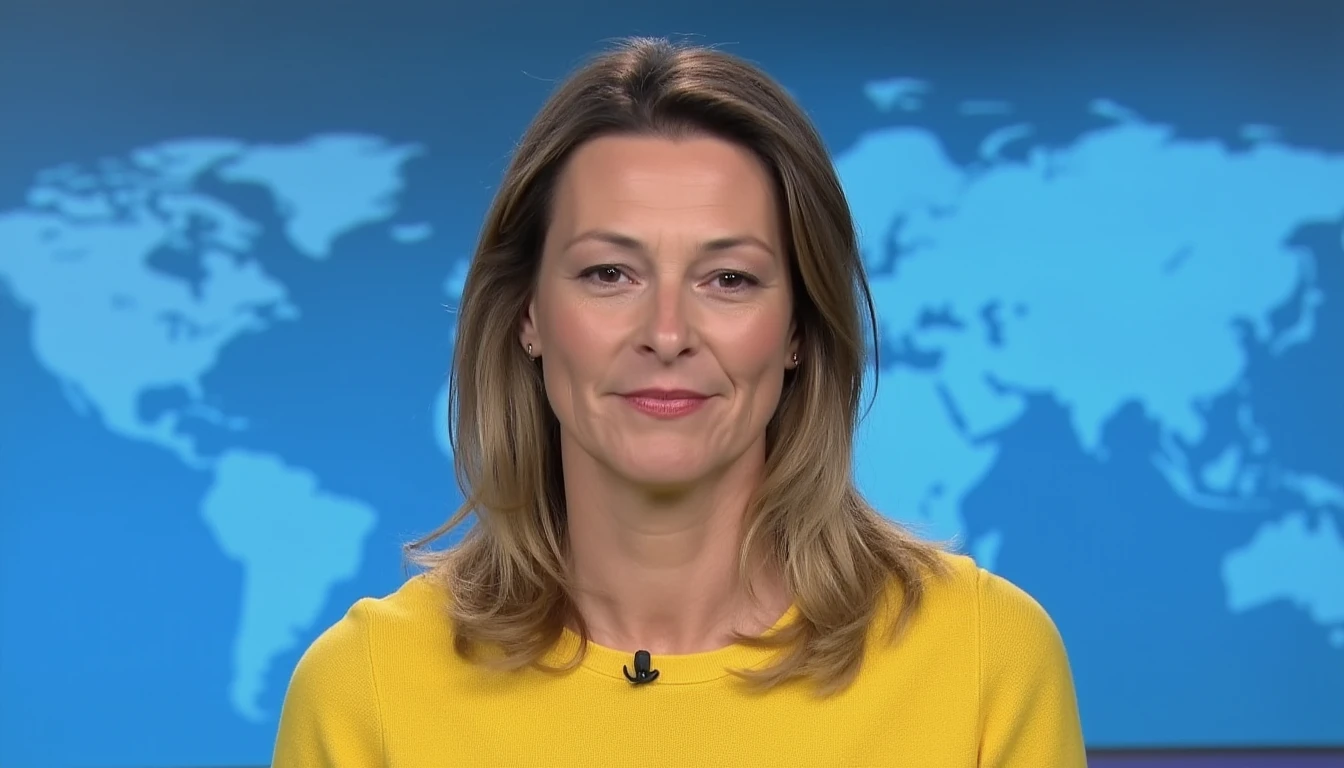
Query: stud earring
{"x": 795, "y": 359}
{"x": 529, "y": 352}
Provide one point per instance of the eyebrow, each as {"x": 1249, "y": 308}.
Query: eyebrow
{"x": 625, "y": 242}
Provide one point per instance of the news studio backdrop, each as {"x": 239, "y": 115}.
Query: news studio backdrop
{"x": 1105, "y": 246}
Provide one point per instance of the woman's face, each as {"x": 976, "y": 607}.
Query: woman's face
{"x": 662, "y": 312}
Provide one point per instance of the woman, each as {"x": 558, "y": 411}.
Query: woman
{"x": 656, "y": 383}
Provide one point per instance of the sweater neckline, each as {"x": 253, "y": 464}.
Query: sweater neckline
{"x": 673, "y": 669}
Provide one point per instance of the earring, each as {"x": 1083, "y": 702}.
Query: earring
{"x": 529, "y": 352}
{"x": 795, "y": 359}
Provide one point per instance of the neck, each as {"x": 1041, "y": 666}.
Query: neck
{"x": 658, "y": 570}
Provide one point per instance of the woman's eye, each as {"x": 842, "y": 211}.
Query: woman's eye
{"x": 605, "y": 274}
{"x": 734, "y": 281}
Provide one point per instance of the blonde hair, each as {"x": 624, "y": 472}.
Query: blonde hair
{"x": 507, "y": 576}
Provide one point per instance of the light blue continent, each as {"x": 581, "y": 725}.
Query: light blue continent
{"x": 891, "y": 178}
{"x": 1291, "y": 560}
{"x": 111, "y": 326}
{"x": 106, "y": 324}
{"x": 1120, "y": 269}
{"x": 294, "y": 542}
{"x": 1112, "y": 271}
{"x": 913, "y": 458}
{"x": 327, "y": 185}
{"x": 1067, "y": 244}
{"x": 913, "y": 462}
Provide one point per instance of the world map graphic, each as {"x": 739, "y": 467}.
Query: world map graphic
{"x": 1125, "y": 282}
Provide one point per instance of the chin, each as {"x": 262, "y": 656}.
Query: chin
{"x": 663, "y": 475}
{"x": 661, "y": 470}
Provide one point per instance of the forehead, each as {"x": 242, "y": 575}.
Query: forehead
{"x": 649, "y": 185}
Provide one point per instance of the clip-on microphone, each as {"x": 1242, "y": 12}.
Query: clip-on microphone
{"x": 643, "y": 674}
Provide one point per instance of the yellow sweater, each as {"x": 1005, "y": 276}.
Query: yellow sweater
{"x": 980, "y": 679}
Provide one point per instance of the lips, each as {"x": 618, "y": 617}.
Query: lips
{"x": 666, "y": 394}
{"x": 665, "y": 403}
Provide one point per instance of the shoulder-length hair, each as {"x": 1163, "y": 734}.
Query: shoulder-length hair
{"x": 509, "y": 584}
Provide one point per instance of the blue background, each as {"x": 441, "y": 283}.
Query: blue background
{"x": 119, "y": 611}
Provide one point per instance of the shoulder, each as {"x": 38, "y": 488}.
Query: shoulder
{"x": 415, "y": 611}
{"x": 1027, "y": 707}
{"x": 332, "y": 705}
{"x": 997, "y": 635}
{"x": 963, "y": 593}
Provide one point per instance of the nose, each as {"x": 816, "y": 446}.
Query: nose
{"x": 667, "y": 331}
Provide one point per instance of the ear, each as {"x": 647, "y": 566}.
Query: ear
{"x": 527, "y": 329}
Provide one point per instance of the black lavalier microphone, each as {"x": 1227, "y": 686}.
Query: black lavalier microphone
{"x": 642, "y": 672}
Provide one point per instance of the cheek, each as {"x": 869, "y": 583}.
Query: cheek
{"x": 566, "y": 322}
{"x": 576, "y": 343}
{"x": 754, "y": 351}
